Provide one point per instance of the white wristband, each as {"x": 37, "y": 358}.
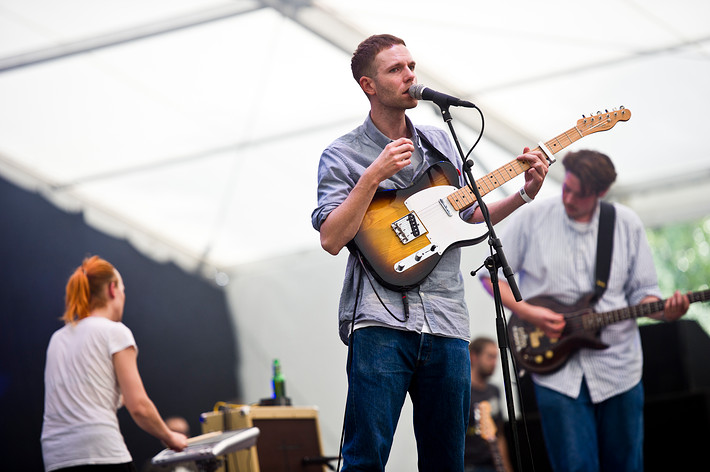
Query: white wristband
{"x": 526, "y": 198}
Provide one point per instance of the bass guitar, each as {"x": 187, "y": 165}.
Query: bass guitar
{"x": 405, "y": 232}
{"x": 540, "y": 354}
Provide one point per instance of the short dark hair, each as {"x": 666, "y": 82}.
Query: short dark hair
{"x": 594, "y": 170}
{"x": 364, "y": 56}
{"x": 477, "y": 345}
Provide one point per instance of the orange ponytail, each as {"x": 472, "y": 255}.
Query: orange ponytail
{"x": 84, "y": 291}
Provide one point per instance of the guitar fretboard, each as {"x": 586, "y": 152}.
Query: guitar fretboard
{"x": 594, "y": 321}
{"x": 464, "y": 197}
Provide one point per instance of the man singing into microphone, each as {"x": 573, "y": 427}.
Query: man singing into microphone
{"x": 413, "y": 341}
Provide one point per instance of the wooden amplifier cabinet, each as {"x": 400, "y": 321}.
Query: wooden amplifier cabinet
{"x": 287, "y": 435}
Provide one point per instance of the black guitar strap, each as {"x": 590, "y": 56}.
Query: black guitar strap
{"x": 427, "y": 144}
{"x": 605, "y": 246}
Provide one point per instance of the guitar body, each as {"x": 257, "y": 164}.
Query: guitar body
{"x": 536, "y": 352}
{"x": 406, "y": 231}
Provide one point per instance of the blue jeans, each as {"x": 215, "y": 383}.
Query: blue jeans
{"x": 582, "y": 436}
{"x": 386, "y": 365}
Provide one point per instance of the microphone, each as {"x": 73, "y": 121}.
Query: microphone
{"x": 422, "y": 92}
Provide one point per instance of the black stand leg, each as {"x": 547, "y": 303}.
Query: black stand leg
{"x": 208, "y": 465}
{"x": 503, "y": 343}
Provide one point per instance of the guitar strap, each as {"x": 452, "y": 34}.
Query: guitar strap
{"x": 427, "y": 144}
{"x": 605, "y": 246}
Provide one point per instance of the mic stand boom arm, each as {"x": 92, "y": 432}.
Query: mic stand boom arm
{"x": 492, "y": 263}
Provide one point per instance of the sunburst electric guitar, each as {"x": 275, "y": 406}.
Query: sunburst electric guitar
{"x": 405, "y": 232}
{"x": 534, "y": 351}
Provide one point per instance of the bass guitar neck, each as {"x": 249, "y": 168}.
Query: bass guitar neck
{"x": 534, "y": 351}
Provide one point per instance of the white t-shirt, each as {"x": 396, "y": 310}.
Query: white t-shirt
{"x": 82, "y": 395}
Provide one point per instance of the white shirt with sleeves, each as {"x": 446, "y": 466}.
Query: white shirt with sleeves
{"x": 82, "y": 395}
{"x": 555, "y": 256}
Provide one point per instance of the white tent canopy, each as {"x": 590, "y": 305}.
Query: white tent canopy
{"x": 194, "y": 128}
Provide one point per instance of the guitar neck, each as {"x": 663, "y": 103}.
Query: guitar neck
{"x": 496, "y": 455}
{"x": 595, "y": 321}
{"x": 464, "y": 197}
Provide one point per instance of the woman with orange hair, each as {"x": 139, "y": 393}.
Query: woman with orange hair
{"x": 91, "y": 370}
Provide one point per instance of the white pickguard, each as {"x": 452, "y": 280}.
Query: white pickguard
{"x": 443, "y": 225}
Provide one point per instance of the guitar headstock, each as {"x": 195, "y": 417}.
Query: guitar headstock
{"x": 486, "y": 426}
{"x": 602, "y": 121}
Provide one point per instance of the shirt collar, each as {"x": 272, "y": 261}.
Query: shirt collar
{"x": 584, "y": 227}
{"x": 380, "y": 139}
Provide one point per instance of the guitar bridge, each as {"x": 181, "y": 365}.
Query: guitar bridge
{"x": 408, "y": 228}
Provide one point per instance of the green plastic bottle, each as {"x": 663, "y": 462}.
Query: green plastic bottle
{"x": 278, "y": 382}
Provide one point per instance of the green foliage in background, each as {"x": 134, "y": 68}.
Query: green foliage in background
{"x": 682, "y": 256}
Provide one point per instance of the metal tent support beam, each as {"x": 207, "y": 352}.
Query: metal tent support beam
{"x": 346, "y": 37}
{"x": 132, "y": 34}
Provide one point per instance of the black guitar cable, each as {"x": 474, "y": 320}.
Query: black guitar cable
{"x": 349, "y": 367}
{"x": 405, "y": 299}
{"x": 358, "y": 294}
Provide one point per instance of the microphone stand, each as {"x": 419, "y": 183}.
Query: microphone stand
{"x": 492, "y": 263}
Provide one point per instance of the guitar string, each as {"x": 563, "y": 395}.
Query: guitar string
{"x": 557, "y": 143}
{"x": 432, "y": 211}
{"x": 594, "y": 320}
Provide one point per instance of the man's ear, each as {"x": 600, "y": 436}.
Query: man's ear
{"x": 367, "y": 85}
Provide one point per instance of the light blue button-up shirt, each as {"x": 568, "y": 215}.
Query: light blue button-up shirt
{"x": 437, "y": 305}
{"x": 555, "y": 256}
